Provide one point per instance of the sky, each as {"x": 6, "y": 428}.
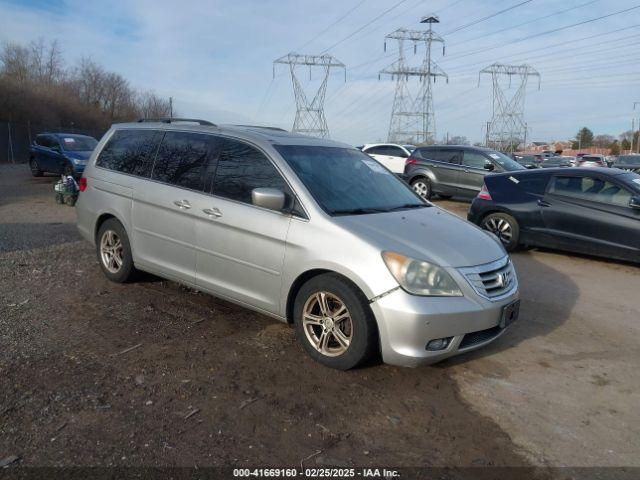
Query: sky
{"x": 215, "y": 57}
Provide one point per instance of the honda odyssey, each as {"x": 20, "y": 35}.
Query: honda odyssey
{"x": 309, "y": 231}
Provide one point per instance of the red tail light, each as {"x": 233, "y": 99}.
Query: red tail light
{"x": 484, "y": 193}
{"x": 411, "y": 161}
{"x": 82, "y": 184}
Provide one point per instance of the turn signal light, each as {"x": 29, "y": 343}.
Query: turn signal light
{"x": 82, "y": 185}
{"x": 484, "y": 193}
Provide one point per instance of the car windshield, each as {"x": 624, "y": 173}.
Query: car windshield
{"x": 628, "y": 160}
{"x": 75, "y": 143}
{"x": 345, "y": 181}
{"x": 505, "y": 162}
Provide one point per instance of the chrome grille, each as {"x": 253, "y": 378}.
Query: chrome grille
{"x": 492, "y": 280}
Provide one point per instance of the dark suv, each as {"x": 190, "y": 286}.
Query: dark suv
{"x": 449, "y": 170}
{"x": 65, "y": 153}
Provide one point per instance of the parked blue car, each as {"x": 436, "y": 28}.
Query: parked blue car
{"x": 62, "y": 153}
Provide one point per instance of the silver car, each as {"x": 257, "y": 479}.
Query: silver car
{"x": 309, "y": 231}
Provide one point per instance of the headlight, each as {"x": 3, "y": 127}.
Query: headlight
{"x": 420, "y": 277}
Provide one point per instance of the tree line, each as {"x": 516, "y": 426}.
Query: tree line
{"x": 585, "y": 138}
{"x": 37, "y": 85}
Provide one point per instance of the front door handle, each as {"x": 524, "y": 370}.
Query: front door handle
{"x": 213, "y": 212}
{"x": 182, "y": 204}
{"x": 542, "y": 203}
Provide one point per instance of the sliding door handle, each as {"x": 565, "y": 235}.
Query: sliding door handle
{"x": 212, "y": 212}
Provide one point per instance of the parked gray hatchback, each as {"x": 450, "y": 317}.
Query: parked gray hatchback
{"x": 309, "y": 231}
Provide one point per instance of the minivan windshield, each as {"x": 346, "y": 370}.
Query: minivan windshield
{"x": 345, "y": 181}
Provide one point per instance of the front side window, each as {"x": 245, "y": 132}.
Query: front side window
{"x": 130, "y": 151}
{"x": 344, "y": 181}
{"x": 376, "y": 151}
{"x": 183, "y": 159}
{"x": 474, "y": 160}
{"x": 241, "y": 168}
{"x": 590, "y": 188}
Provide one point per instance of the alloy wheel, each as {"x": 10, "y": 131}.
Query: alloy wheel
{"x": 327, "y": 324}
{"x": 111, "y": 251}
{"x": 421, "y": 188}
{"x": 500, "y": 227}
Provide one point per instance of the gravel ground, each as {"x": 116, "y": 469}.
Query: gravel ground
{"x": 154, "y": 374}
{"x": 208, "y": 383}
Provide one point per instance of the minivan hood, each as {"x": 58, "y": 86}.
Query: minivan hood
{"x": 429, "y": 234}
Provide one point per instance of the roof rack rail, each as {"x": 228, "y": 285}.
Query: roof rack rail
{"x": 172, "y": 120}
{"x": 262, "y": 126}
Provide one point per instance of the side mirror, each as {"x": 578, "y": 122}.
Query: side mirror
{"x": 56, "y": 148}
{"x": 489, "y": 166}
{"x": 635, "y": 202}
{"x": 270, "y": 198}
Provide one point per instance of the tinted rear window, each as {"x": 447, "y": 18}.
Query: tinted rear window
{"x": 183, "y": 159}
{"x": 536, "y": 184}
{"x": 130, "y": 152}
{"x": 241, "y": 168}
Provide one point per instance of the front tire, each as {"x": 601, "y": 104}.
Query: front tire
{"x": 334, "y": 323}
{"x": 35, "y": 168}
{"x": 114, "y": 252}
{"x": 422, "y": 186}
{"x": 505, "y": 227}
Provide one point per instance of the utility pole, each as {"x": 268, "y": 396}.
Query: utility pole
{"x": 412, "y": 117}
{"x": 171, "y": 108}
{"x": 507, "y": 126}
{"x": 310, "y": 119}
{"x": 633, "y": 131}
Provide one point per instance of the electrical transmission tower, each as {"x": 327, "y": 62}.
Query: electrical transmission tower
{"x": 507, "y": 128}
{"x": 412, "y": 117}
{"x": 310, "y": 119}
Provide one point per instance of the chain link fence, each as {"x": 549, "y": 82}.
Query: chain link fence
{"x": 16, "y": 137}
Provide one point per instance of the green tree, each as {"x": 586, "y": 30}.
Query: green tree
{"x": 584, "y": 138}
{"x": 614, "y": 148}
{"x": 625, "y": 144}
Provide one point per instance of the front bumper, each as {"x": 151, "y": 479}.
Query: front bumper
{"x": 408, "y": 322}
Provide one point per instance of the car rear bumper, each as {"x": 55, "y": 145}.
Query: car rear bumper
{"x": 407, "y": 323}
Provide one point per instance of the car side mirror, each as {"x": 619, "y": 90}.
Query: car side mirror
{"x": 270, "y": 198}
{"x": 635, "y": 202}
{"x": 56, "y": 148}
{"x": 489, "y": 166}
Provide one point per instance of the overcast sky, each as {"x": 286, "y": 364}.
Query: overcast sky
{"x": 215, "y": 57}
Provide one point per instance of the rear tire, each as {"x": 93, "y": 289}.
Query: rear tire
{"x": 68, "y": 170}
{"x": 70, "y": 200}
{"x": 422, "y": 186}
{"x": 35, "y": 168}
{"x": 334, "y": 323}
{"x": 114, "y": 252}
{"x": 505, "y": 227}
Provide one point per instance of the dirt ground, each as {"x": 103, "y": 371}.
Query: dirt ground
{"x": 154, "y": 374}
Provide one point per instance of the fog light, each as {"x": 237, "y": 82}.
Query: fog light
{"x": 438, "y": 344}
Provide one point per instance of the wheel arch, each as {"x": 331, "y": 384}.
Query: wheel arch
{"x": 304, "y": 278}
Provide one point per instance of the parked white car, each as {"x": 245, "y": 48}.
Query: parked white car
{"x": 390, "y": 155}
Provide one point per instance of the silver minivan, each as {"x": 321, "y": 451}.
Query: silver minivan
{"x": 309, "y": 231}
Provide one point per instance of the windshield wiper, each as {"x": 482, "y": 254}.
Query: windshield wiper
{"x": 408, "y": 205}
{"x": 359, "y": 211}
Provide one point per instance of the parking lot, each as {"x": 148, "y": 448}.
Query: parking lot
{"x": 95, "y": 373}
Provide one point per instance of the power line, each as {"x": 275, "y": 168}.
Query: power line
{"x": 480, "y": 20}
{"x": 394, "y": 6}
{"x": 548, "y": 32}
{"x": 325, "y": 30}
{"x": 554, "y": 14}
